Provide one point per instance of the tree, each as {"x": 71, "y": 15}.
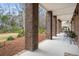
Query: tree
{"x": 4, "y": 22}
{"x": 4, "y": 19}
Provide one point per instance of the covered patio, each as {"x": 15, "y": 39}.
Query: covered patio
{"x": 57, "y": 47}
{"x": 52, "y": 42}
{"x": 55, "y": 44}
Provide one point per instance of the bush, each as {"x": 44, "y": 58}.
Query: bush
{"x": 42, "y": 30}
{"x": 4, "y": 30}
{"x": 21, "y": 33}
{"x": 71, "y": 34}
{"x": 16, "y": 29}
{"x": 10, "y": 38}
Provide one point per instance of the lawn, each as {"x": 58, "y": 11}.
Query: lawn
{"x": 4, "y": 36}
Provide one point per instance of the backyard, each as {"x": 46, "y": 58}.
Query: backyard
{"x": 4, "y": 36}
{"x": 11, "y": 29}
{"x": 12, "y": 43}
{"x": 12, "y": 33}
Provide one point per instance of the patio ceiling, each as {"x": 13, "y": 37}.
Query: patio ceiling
{"x": 64, "y": 11}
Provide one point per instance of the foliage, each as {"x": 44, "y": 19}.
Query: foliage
{"x": 10, "y": 38}
{"x": 4, "y": 18}
{"x": 42, "y": 30}
{"x": 71, "y": 34}
{"x": 9, "y": 25}
{"x": 15, "y": 29}
{"x": 13, "y": 23}
{"x": 21, "y": 33}
{"x": 3, "y": 30}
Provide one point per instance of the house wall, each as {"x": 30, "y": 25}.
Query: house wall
{"x": 75, "y": 23}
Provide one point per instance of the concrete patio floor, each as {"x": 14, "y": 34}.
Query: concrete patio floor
{"x": 56, "y": 47}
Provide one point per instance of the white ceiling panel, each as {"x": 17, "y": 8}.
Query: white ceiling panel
{"x": 64, "y": 11}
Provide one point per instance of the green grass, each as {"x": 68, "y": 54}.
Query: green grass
{"x": 4, "y": 36}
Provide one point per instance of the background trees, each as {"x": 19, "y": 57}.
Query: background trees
{"x": 11, "y": 18}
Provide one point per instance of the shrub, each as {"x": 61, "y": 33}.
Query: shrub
{"x": 21, "y": 33}
{"x": 42, "y": 30}
{"x": 10, "y": 38}
{"x": 3, "y": 30}
{"x": 71, "y": 34}
{"x": 16, "y": 29}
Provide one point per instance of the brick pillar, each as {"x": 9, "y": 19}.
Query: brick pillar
{"x": 54, "y": 25}
{"x": 58, "y": 25}
{"x": 72, "y": 25}
{"x": 49, "y": 24}
{"x": 31, "y": 26}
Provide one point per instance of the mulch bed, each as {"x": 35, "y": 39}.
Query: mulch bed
{"x": 13, "y": 47}
{"x": 41, "y": 37}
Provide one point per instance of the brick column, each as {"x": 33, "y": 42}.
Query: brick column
{"x": 54, "y": 25}
{"x": 58, "y": 25}
{"x": 49, "y": 24}
{"x": 72, "y": 25}
{"x": 31, "y": 26}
